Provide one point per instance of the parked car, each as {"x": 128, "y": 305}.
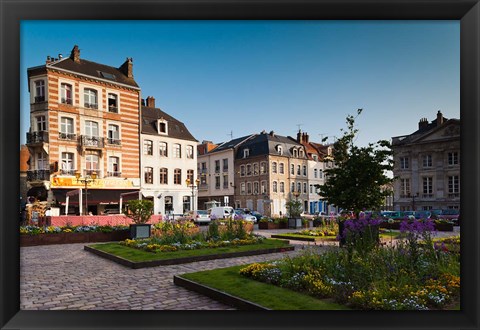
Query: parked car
{"x": 423, "y": 215}
{"x": 245, "y": 216}
{"x": 199, "y": 216}
{"x": 256, "y": 215}
{"x": 111, "y": 212}
{"x": 395, "y": 215}
{"x": 409, "y": 214}
{"x": 451, "y": 214}
{"x": 436, "y": 214}
{"x": 220, "y": 212}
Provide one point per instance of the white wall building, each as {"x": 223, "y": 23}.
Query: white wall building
{"x": 168, "y": 159}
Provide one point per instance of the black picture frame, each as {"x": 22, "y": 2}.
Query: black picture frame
{"x": 12, "y": 12}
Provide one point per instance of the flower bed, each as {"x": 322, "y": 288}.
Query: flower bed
{"x": 415, "y": 274}
{"x": 176, "y": 242}
{"x": 32, "y": 235}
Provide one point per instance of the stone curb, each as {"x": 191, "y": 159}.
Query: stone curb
{"x": 215, "y": 294}
{"x": 154, "y": 263}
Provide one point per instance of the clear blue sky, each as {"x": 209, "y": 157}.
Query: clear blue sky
{"x": 247, "y": 76}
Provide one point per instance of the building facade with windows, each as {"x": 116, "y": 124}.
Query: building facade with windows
{"x": 84, "y": 119}
{"x": 270, "y": 170}
{"x": 168, "y": 159}
{"x": 427, "y": 166}
{"x": 216, "y": 173}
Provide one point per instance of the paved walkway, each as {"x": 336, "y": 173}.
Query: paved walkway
{"x": 54, "y": 277}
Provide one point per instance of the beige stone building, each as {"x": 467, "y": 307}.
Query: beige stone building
{"x": 427, "y": 166}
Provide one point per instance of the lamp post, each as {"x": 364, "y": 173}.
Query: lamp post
{"x": 413, "y": 201}
{"x": 296, "y": 194}
{"x": 86, "y": 180}
{"x": 190, "y": 184}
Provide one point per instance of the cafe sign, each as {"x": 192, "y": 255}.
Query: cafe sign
{"x": 69, "y": 182}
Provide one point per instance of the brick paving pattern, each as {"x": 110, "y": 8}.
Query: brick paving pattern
{"x": 66, "y": 277}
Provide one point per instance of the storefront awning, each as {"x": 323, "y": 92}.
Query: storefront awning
{"x": 96, "y": 196}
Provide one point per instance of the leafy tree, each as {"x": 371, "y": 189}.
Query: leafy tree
{"x": 140, "y": 210}
{"x": 355, "y": 182}
{"x": 294, "y": 208}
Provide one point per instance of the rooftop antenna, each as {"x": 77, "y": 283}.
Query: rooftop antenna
{"x": 299, "y": 127}
{"x": 321, "y": 136}
{"x": 231, "y": 135}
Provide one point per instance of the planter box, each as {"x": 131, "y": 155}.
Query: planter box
{"x": 267, "y": 225}
{"x": 282, "y": 225}
{"x": 69, "y": 238}
{"x": 444, "y": 226}
{"x": 295, "y": 223}
{"x": 140, "y": 231}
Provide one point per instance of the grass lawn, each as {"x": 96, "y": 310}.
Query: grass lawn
{"x": 230, "y": 281}
{"x": 137, "y": 255}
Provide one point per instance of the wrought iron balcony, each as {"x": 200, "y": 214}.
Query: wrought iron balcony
{"x": 37, "y": 137}
{"x": 38, "y": 175}
{"x": 112, "y": 109}
{"x": 90, "y": 172}
{"x": 203, "y": 186}
{"x": 116, "y": 142}
{"x": 67, "y": 172}
{"x": 453, "y": 195}
{"x": 92, "y": 141}
{"x": 39, "y": 99}
{"x": 114, "y": 174}
{"x": 67, "y": 136}
{"x": 91, "y": 105}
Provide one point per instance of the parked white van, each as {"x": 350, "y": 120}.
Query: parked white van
{"x": 221, "y": 212}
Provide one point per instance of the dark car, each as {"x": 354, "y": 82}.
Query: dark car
{"x": 256, "y": 215}
{"x": 451, "y": 215}
{"x": 422, "y": 215}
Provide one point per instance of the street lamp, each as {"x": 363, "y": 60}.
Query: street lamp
{"x": 413, "y": 201}
{"x": 296, "y": 194}
{"x": 197, "y": 181}
{"x": 86, "y": 180}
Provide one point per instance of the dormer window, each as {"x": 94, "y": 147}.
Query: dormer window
{"x": 280, "y": 150}
{"x": 162, "y": 126}
{"x": 246, "y": 153}
{"x": 300, "y": 153}
{"x": 294, "y": 151}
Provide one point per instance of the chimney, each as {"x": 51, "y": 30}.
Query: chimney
{"x": 143, "y": 102}
{"x": 272, "y": 133}
{"x": 305, "y": 137}
{"x": 49, "y": 59}
{"x": 127, "y": 67}
{"x": 422, "y": 123}
{"x": 75, "y": 54}
{"x": 299, "y": 137}
{"x": 150, "y": 102}
{"x": 439, "y": 118}
{"x": 60, "y": 56}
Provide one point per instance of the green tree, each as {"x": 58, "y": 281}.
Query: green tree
{"x": 294, "y": 208}
{"x": 140, "y": 210}
{"x": 358, "y": 178}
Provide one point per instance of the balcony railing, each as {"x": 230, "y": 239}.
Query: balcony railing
{"x": 67, "y": 172}
{"x": 37, "y": 137}
{"x": 39, "y": 99}
{"x": 90, "y": 172}
{"x": 65, "y": 100}
{"x": 92, "y": 141}
{"x": 91, "y": 105}
{"x": 114, "y": 174}
{"x": 427, "y": 195}
{"x": 203, "y": 171}
{"x": 67, "y": 136}
{"x": 38, "y": 175}
{"x": 117, "y": 142}
{"x": 203, "y": 186}
{"x": 453, "y": 195}
{"x": 113, "y": 109}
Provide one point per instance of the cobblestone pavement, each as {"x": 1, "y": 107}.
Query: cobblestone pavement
{"x": 54, "y": 277}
